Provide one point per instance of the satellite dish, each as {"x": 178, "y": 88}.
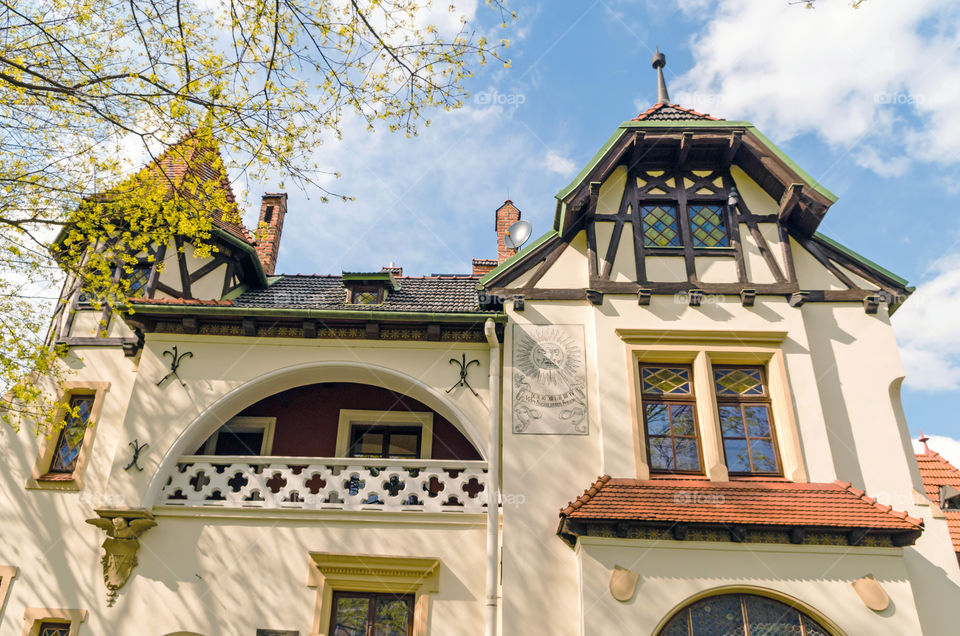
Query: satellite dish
{"x": 518, "y": 234}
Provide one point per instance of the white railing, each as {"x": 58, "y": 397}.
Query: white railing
{"x": 312, "y": 483}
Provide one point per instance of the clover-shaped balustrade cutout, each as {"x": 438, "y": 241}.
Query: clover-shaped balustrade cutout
{"x": 473, "y": 487}
{"x": 276, "y": 482}
{"x": 199, "y": 480}
{"x": 220, "y": 468}
{"x": 334, "y": 498}
{"x": 393, "y": 485}
{"x": 177, "y": 495}
{"x": 433, "y": 486}
{"x": 293, "y": 497}
{"x": 453, "y": 472}
{"x": 257, "y": 469}
{"x": 238, "y": 481}
{"x": 315, "y": 483}
{"x": 452, "y": 500}
{"x": 354, "y": 485}
{"x": 373, "y": 498}
{"x": 216, "y": 495}
{"x": 374, "y": 470}
{"x": 413, "y": 500}
{"x": 254, "y": 496}
{"x": 414, "y": 472}
{"x": 335, "y": 470}
{"x": 182, "y": 468}
{"x": 296, "y": 470}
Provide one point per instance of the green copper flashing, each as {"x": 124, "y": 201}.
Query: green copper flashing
{"x": 319, "y": 314}
{"x": 864, "y": 260}
{"x": 516, "y": 258}
{"x": 685, "y": 125}
{"x": 370, "y": 277}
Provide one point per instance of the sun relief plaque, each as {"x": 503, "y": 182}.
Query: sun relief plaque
{"x": 549, "y": 380}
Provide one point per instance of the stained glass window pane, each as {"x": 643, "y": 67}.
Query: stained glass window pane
{"x": 54, "y": 629}
{"x": 138, "y": 279}
{"x": 660, "y": 228}
{"x": 738, "y": 380}
{"x": 667, "y": 380}
{"x": 678, "y": 625}
{"x": 393, "y": 617}
{"x": 707, "y": 226}
{"x": 722, "y": 616}
{"x": 812, "y": 628}
{"x": 350, "y": 616}
{"x": 365, "y": 298}
{"x": 67, "y": 450}
{"x": 767, "y": 617}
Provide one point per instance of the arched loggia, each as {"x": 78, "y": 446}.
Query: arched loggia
{"x": 291, "y": 377}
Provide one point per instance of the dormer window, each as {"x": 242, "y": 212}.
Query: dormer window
{"x": 371, "y": 288}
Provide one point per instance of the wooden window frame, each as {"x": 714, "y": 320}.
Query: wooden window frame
{"x": 402, "y": 419}
{"x": 668, "y": 399}
{"x": 387, "y": 430}
{"x": 41, "y": 478}
{"x": 662, "y": 202}
{"x": 242, "y": 423}
{"x": 371, "y": 612}
{"x": 35, "y": 617}
{"x": 330, "y": 573}
{"x": 724, "y": 216}
{"x": 741, "y": 401}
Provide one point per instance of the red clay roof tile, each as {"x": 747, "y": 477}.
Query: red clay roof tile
{"x": 935, "y": 471}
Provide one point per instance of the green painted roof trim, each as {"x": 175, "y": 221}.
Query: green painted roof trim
{"x": 362, "y": 277}
{"x": 320, "y": 314}
{"x": 864, "y": 260}
{"x": 705, "y": 124}
{"x": 516, "y": 258}
{"x": 250, "y": 249}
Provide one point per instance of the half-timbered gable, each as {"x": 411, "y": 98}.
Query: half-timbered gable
{"x": 677, "y": 202}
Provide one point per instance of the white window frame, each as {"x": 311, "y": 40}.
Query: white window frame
{"x": 352, "y": 417}
{"x": 245, "y": 423}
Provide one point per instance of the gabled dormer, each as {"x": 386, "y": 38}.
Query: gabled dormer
{"x": 369, "y": 288}
{"x": 681, "y": 202}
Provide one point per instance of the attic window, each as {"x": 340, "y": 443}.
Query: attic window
{"x": 368, "y": 288}
{"x": 686, "y": 208}
{"x": 949, "y": 498}
{"x": 365, "y": 296}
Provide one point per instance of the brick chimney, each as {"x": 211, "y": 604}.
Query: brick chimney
{"x": 273, "y": 208}
{"x": 507, "y": 215}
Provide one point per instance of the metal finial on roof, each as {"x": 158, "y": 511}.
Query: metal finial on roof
{"x": 659, "y": 61}
{"x": 924, "y": 439}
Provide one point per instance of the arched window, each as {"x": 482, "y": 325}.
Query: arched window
{"x": 741, "y": 615}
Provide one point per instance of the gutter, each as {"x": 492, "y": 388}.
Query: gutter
{"x": 493, "y": 479}
{"x": 188, "y": 309}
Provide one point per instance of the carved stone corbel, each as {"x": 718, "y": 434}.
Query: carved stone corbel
{"x": 123, "y": 528}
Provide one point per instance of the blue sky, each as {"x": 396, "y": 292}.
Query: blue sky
{"x": 863, "y": 99}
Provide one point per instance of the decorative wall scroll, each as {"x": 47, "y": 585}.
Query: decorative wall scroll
{"x": 549, "y": 380}
{"x": 175, "y": 360}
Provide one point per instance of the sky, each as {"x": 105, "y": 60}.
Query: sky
{"x": 862, "y": 98}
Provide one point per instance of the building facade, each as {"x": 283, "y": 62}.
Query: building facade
{"x": 676, "y": 412}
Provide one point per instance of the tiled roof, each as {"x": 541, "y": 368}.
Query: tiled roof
{"x": 672, "y": 112}
{"x": 935, "y": 472}
{"x": 442, "y": 294}
{"x": 747, "y": 503}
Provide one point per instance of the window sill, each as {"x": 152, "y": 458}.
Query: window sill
{"x": 64, "y": 482}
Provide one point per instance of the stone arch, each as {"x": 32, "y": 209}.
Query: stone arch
{"x": 294, "y": 376}
{"x": 749, "y": 590}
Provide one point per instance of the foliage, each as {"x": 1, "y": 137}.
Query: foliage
{"x": 83, "y": 83}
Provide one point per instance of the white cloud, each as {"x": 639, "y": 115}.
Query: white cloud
{"x": 886, "y": 75}
{"x": 947, "y": 447}
{"x": 926, "y": 329}
{"x": 558, "y": 163}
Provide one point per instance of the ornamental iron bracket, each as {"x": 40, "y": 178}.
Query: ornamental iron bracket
{"x": 464, "y": 366}
{"x": 123, "y": 529}
{"x": 175, "y": 360}
{"x": 135, "y": 460}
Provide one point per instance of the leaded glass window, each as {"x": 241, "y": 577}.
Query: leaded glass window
{"x": 67, "y": 450}
{"x": 364, "y": 614}
{"x": 707, "y": 226}
{"x": 741, "y": 615}
{"x": 660, "y": 227}
{"x": 54, "y": 629}
{"x": 746, "y": 425}
{"x": 669, "y": 417}
{"x": 365, "y": 295}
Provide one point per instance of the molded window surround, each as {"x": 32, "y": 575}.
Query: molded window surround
{"x": 7, "y": 574}
{"x": 41, "y": 478}
{"x": 351, "y": 417}
{"x": 702, "y": 350}
{"x": 34, "y": 617}
{"x": 331, "y": 573}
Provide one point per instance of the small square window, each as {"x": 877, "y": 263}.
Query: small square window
{"x": 660, "y": 227}
{"x": 707, "y": 226}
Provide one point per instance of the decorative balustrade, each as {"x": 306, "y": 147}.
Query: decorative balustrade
{"x": 311, "y": 483}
